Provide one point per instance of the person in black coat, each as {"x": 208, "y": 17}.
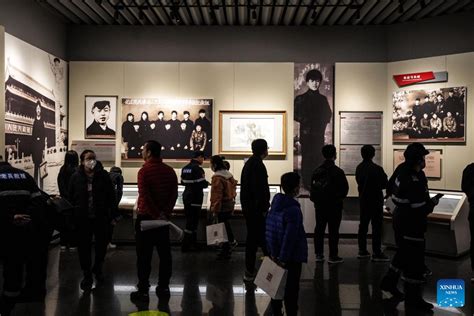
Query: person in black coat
{"x": 371, "y": 180}
{"x": 255, "y": 200}
{"x": 328, "y": 205}
{"x": 467, "y": 186}
{"x": 313, "y": 112}
{"x": 206, "y": 126}
{"x": 159, "y": 129}
{"x": 145, "y": 132}
{"x": 71, "y": 162}
{"x": 92, "y": 193}
{"x": 39, "y": 135}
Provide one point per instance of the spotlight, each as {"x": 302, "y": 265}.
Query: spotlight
{"x": 400, "y": 7}
{"x": 357, "y": 14}
{"x": 254, "y": 14}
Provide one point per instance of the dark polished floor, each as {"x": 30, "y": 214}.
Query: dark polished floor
{"x": 203, "y": 286}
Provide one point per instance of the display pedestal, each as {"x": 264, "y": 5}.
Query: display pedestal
{"x": 448, "y": 227}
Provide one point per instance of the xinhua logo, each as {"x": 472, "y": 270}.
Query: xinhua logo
{"x": 450, "y": 293}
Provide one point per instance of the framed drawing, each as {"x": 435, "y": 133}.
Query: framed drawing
{"x": 433, "y": 162}
{"x": 237, "y": 130}
{"x": 100, "y": 112}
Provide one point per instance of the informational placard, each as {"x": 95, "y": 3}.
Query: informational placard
{"x": 361, "y": 128}
{"x": 350, "y": 157}
{"x": 104, "y": 150}
{"x": 433, "y": 162}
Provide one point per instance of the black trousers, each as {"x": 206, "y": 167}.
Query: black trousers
{"x": 192, "y": 213}
{"x": 471, "y": 229}
{"x": 86, "y": 229}
{"x": 410, "y": 258}
{"x": 291, "y": 291}
{"x": 331, "y": 217}
{"x": 370, "y": 213}
{"x": 37, "y": 263}
{"x": 224, "y": 217}
{"x": 15, "y": 256}
{"x": 146, "y": 242}
{"x": 255, "y": 222}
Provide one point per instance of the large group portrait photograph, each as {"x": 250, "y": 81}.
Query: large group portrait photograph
{"x": 181, "y": 126}
{"x": 313, "y": 116}
{"x": 430, "y": 116}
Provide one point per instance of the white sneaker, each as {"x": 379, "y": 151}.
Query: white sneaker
{"x": 112, "y": 246}
{"x": 72, "y": 248}
{"x": 63, "y": 248}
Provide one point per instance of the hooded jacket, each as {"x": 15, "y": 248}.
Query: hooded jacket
{"x": 285, "y": 235}
{"x": 223, "y": 191}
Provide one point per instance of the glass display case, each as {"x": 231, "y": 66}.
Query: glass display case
{"x": 130, "y": 194}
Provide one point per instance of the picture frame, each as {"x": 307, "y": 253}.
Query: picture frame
{"x": 430, "y": 116}
{"x": 237, "y": 130}
{"x": 100, "y": 117}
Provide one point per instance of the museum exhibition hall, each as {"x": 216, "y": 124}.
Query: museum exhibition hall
{"x": 209, "y": 77}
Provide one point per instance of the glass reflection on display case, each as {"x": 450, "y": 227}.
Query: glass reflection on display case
{"x": 130, "y": 194}
{"x": 449, "y": 203}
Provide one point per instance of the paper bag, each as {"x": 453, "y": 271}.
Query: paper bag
{"x": 216, "y": 234}
{"x": 271, "y": 278}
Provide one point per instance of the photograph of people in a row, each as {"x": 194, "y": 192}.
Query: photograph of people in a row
{"x": 434, "y": 116}
{"x": 182, "y": 126}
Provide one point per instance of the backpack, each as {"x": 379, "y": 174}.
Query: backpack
{"x": 319, "y": 184}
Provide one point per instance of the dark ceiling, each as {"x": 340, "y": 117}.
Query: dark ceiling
{"x": 251, "y": 12}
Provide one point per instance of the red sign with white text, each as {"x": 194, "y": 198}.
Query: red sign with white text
{"x": 408, "y": 79}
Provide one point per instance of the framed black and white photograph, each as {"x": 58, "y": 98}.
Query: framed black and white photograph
{"x": 238, "y": 129}
{"x": 430, "y": 116}
{"x": 313, "y": 116}
{"x": 101, "y": 113}
{"x": 181, "y": 126}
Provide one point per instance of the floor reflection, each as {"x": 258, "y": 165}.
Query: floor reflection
{"x": 200, "y": 286}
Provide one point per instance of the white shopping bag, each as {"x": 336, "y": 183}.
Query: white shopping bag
{"x": 176, "y": 233}
{"x": 216, "y": 234}
{"x": 272, "y": 279}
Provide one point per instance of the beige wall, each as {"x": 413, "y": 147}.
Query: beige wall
{"x": 233, "y": 86}
{"x": 369, "y": 87}
{"x": 2, "y": 90}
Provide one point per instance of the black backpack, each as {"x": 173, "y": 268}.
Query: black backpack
{"x": 319, "y": 184}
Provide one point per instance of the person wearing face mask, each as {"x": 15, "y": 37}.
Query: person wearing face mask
{"x": 92, "y": 193}
{"x": 286, "y": 240}
{"x": 410, "y": 194}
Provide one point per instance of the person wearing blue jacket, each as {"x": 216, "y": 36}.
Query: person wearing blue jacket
{"x": 286, "y": 240}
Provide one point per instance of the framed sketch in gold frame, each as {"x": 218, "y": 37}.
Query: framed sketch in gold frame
{"x": 237, "y": 130}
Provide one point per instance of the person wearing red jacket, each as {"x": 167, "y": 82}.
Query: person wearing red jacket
{"x": 157, "y": 193}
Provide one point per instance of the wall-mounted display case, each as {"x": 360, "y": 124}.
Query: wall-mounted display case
{"x": 448, "y": 226}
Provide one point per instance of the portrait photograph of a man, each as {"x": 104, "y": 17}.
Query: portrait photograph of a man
{"x": 100, "y": 117}
{"x": 313, "y": 117}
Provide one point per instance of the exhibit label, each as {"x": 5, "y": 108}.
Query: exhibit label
{"x": 420, "y": 77}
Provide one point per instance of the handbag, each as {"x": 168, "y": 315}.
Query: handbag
{"x": 271, "y": 278}
{"x": 176, "y": 233}
{"x": 216, "y": 234}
